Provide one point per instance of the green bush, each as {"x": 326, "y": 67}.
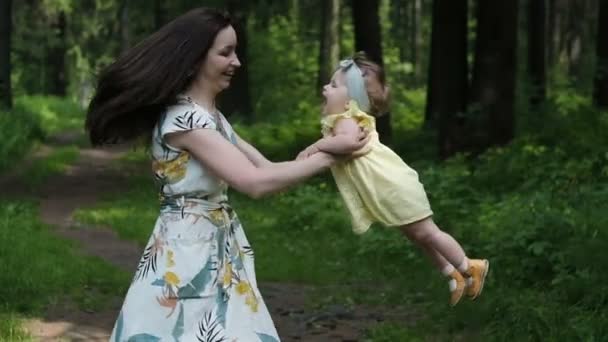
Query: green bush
{"x": 32, "y": 119}
{"x": 39, "y": 269}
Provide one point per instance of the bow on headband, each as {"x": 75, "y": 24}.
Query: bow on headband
{"x": 355, "y": 84}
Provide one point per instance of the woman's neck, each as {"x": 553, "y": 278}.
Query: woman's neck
{"x": 203, "y": 97}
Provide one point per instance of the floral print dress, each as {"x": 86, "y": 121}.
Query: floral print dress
{"x": 196, "y": 279}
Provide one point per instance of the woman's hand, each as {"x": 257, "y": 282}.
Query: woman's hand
{"x": 307, "y": 152}
{"x": 326, "y": 159}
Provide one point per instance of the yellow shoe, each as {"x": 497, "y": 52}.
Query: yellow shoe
{"x": 457, "y": 286}
{"x": 476, "y": 276}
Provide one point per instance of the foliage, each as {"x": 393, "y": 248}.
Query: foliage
{"x": 40, "y": 269}
{"x": 32, "y": 120}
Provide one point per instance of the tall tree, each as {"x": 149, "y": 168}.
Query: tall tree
{"x": 366, "y": 22}
{"x": 448, "y": 74}
{"x": 576, "y": 37}
{"x": 494, "y": 69}
{"x": 368, "y": 38}
{"x": 56, "y": 56}
{"x": 329, "y": 50}
{"x": 123, "y": 20}
{"x": 536, "y": 50}
{"x": 399, "y": 18}
{"x": 6, "y": 97}
{"x": 237, "y": 98}
{"x": 552, "y": 24}
{"x": 160, "y": 14}
{"x": 415, "y": 38}
{"x": 600, "y": 89}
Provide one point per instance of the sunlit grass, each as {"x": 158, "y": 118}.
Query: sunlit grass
{"x": 56, "y": 163}
{"x": 39, "y": 268}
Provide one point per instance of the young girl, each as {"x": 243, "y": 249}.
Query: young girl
{"x": 377, "y": 186}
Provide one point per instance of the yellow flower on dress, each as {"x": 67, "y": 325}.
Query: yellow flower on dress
{"x": 243, "y": 287}
{"x": 170, "y": 261}
{"x": 228, "y": 275}
{"x": 171, "y": 278}
{"x": 252, "y": 302}
{"x": 172, "y": 170}
{"x": 217, "y": 216}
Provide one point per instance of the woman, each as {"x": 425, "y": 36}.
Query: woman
{"x": 196, "y": 279}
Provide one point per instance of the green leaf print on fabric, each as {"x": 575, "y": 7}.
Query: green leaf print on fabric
{"x": 196, "y": 285}
{"x": 119, "y": 327}
{"x": 266, "y": 338}
{"x": 189, "y": 120}
{"x": 222, "y": 305}
{"x": 143, "y": 338}
{"x": 178, "y": 330}
{"x": 158, "y": 282}
{"x": 148, "y": 259}
{"x": 210, "y": 330}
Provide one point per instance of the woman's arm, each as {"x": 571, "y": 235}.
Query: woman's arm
{"x": 230, "y": 164}
{"x": 252, "y": 153}
{"x": 346, "y": 139}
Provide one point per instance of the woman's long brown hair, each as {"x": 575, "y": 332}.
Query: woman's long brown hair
{"x": 133, "y": 91}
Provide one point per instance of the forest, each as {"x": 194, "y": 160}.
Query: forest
{"x": 500, "y": 106}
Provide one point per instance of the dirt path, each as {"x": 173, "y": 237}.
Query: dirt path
{"x": 81, "y": 186}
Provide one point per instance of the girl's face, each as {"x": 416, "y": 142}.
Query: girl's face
{"x": 221, "y": 61}
{"x": 335, "y": 94}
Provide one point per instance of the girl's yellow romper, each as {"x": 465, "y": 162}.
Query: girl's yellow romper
{"x": 377, "y": 186}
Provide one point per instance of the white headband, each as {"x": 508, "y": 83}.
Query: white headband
{"x": 355, "y": 83}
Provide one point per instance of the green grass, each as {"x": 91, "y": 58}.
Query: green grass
{"x": 31, "y": 121}
{"x": 53, "y": 114}
{"x": 39, "y": 268}
{"x": 539, "y": 226}
{"x": 10, "y": 328}
{"x": 536, "y": 208}
{"x": 57, "y": 162}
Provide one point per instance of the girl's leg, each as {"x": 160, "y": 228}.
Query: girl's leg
{"x": 456, "y": 281}
{"x": 444, "y": 249}
{"x": 441, "y": 247}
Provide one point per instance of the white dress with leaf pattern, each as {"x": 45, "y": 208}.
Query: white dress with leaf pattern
{"x": 196, "y": 278}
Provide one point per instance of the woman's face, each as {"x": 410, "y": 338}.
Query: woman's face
{"x": 221, "y": 61}
{"x": 335, "y": 94}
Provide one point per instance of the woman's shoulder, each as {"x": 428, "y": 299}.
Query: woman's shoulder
{"x": 185, "y": 104}
{"x": 186, "y": 115}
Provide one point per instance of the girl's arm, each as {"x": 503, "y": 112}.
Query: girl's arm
{"x": 345, "y": 139}
{"x": 230, "y": 164}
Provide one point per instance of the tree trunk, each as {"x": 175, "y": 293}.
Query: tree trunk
{"x": 447, "y": 89}
{"x": 552, "y": 29}
{"x": 237, "y": 99}
{"x": 399, "y": 17}
{"x": 56, "y": 57}
{"x": 536, "y": 51}
{"x": 575, "y": 38}
{"x": 368, "y": 38}
{"x": 6, "y": 96}
{"x": 160, "y": 14}
{"x": 415, "y": 39}
{"x": 494, "y": 70}
{"x": 600, "y": 89}
{"x": 367, "y": 28}
{"x": 123, "y": 19}
{"x": 329, "y": 51}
